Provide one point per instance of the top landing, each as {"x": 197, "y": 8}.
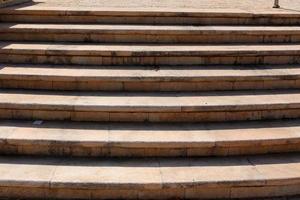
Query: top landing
{"x": 244, "y": 7}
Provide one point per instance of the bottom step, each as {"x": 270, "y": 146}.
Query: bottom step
{"x": 148, "y": 139}
{"x": 197, "y": 178}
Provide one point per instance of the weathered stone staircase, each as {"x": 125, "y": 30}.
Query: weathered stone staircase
{"x": 147, "y": 104}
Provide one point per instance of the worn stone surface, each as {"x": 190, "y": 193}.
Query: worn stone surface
{"x": 145, "y": 55}
{"x": 142, "y": 177}
{"x": 149, "y": 33}
{"x": 132, "y": 78}
{"x": 152, "y": 107}
{"x": 150, "y": 102}
{"x": 248, "y": 5}
{"x": 90, "y": 139}
{"x": 165, "y": 61}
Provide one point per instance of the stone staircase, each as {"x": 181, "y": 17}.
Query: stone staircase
{"x": 149, "y": 104}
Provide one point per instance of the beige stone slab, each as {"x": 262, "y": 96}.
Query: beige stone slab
{"x": 6, "y": 129}
{"x": 147, "y": 29}
{"x": 59, "y": 102}
{"x": 157, "y": 175}
{"x": 205, "y": 135}
{"x": 133, "y": 73}
{"x": 160, "y": 136}
{"x": 125, "y": 11}
{"x": 107, "y": 174}
{"x": 82, "y": 134}
{"x": 147, "y": 50}
{"x": 278, "y": 171}
{"x": 214, "y": 8}
{"x": 254, "y": 133}
{"x": 205, "y": 172}
{"x": 150, "y": 102}
{"x": 41, "y": 16}
{"x": 207, "y": 12}
{"x": 115, "y": 139}
{"x": 177, "y": 5}
{"x": 26, "y": 173}
{"x": 126, "y": 102}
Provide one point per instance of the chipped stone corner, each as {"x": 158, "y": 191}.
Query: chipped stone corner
{"x": 6, "y": 3}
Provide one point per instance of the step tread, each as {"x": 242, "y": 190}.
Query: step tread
{"x": 145, "y": 11}
{"x": 161, "y": 136}
{"x": 269, "y": 170}
{"x": 146, "y": 29}
{"x": 150, "y": 102}
{"x": 148, "y": 50}
{"x": 134, "y": 73}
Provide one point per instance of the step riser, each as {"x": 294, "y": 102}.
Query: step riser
{"x": 56, "y": 148}
{"x": 212, "y": 38}
{"x": 221, "y": 191}
{"x": 150, "y": 60}
{"x": 84, "y": 19}
{"x": 155, "y": 86}
{"x": 98, "y": 116}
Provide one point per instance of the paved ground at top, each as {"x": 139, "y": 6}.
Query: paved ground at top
{"x": 249, "y": 5}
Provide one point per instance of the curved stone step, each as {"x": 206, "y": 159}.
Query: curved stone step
{"x": 208, "y": 178}
{"x": 148, "y": 140}
{"x": 179, "y": 16}
{"x": 148, "y": 33}
{"x": 133, "y": 78}
{"x": 152, "y": 107}
{"x": 139, "y": 54}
